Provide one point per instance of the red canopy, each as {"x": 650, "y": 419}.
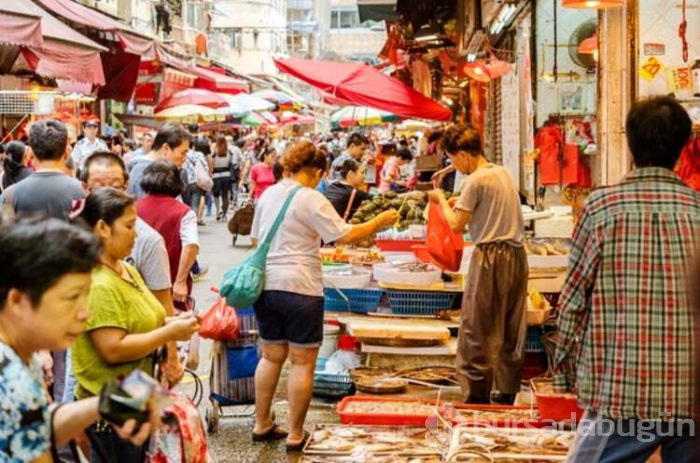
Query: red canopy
{"x": 19, "y": 25}
{"x": 218, "y": 81}
{"x": 193, "y": 96}
{"x": 88, "y": 17}
{"x": 62, "y": 52}
{"x": 363, "y": 85}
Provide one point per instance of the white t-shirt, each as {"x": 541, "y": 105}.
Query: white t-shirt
{"x": 294, "y": 262}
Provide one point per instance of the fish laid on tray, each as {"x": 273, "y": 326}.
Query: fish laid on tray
{"x": 374, "y": 440}
{"x": 470, "y": 444}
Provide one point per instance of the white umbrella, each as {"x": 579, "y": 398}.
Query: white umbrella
{"x": 243, "y": 103}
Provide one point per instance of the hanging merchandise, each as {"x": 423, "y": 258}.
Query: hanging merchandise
{"x": 688, "y": 167}
{"x": 549, "y": 141}
{"x": 574, "y": 171}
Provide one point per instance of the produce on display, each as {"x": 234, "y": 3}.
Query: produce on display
{"x": 543, "y": 247}
{"x": 374, "y": 440}
{"x": 390, "y": 408}
{"x": 471, "y": 443}
{"x": 410, "y": 206}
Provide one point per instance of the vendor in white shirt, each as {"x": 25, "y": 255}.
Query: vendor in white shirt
{"x": 290, "y": 309}
{"x": 88, "y": 144}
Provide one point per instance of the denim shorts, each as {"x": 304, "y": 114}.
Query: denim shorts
{"x": 290, "y": 318}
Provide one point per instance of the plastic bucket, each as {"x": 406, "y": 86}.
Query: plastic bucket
{"x": 330, "y": 340}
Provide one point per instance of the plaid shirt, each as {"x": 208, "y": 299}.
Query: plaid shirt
{"x": 626, "y": 325}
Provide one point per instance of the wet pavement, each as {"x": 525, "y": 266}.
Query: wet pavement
{"x": 232, "y": 442}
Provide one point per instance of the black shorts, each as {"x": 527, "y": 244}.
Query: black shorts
{"x": 290, "y": 318}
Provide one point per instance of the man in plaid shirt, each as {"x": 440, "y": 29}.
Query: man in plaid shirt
{"x": 626, "y": 327}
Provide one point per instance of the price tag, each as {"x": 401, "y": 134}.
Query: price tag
{"x": 679, "y": 79}
{"x": 650, "y": 69}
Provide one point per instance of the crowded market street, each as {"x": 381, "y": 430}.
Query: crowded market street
{"x": 349, "y": 231}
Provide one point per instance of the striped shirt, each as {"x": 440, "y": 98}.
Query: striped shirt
{"x": 626, "y": 325}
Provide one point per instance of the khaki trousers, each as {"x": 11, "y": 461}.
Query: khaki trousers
{"x": 494, "y": 321}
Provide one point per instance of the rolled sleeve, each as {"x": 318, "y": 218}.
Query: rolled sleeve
{"x": 325, "y": 219}
{"x": 188, "y": 230}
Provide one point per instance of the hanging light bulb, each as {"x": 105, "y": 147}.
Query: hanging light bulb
{"x": 593, "y": 4}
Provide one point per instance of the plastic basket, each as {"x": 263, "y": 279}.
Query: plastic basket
{"x": 419, "y": 302}
{"x": 381, "y": 419}
{"x": 330, "y": 385}
{"x": 397, "y": 245}
{"x": 533, "y": 341}
{"x": 556, "y": 407}
{"x": 358, "y": 300}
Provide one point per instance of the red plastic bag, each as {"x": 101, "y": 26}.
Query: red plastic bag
{"x": 445, "y": 246}
{"x": 220, "y": 322}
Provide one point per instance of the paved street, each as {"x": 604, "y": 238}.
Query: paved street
{"x": 232, "y": 443}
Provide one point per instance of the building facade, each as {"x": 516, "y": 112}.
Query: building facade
{"x": 248, "y": 34}
{"x": 349, "y": 38}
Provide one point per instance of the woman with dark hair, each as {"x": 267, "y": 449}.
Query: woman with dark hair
{"x": 290, "y": 309}
{"x": 127, "y": 323}
{"x": 262, "y": 175}
{"x": 223, "y": 179}
{"x": 345, "y": 194}
{"x": 391, "y": 172}
{"x": 15, "y": 164}
{"x": 175, "y": 221}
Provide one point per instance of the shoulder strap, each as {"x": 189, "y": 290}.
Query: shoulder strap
{"x": 278, "y": 221}
{"x": 349, "y": 208}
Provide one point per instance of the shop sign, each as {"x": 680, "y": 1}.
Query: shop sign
{"x": 654, "y": 49}
{"x": 650, "y": 69}
{"x": 679, "y": 79}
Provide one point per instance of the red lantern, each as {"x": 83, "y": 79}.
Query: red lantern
{"x": 593, "y": 4}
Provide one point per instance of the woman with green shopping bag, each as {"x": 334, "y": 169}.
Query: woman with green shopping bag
{"x": 292, "y": 219}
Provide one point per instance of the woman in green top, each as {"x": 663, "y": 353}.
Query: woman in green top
{"x": 127, "y": 323}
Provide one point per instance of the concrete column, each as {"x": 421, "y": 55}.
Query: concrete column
{"x": 617, "y": 71}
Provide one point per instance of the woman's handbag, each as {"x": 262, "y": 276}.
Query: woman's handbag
{"x": 244, "y": 283}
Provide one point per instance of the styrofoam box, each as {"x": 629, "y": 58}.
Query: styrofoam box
{"x": 548, "y": 261}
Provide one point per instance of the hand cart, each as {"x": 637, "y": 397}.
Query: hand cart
{"x": 232, "y": 379}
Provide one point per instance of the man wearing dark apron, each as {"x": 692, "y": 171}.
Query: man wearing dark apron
{"x": 493, "y": 325}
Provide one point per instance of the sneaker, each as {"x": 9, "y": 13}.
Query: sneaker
{"x": 219, "y": 216}
{"x": 203, "y": 270}
{"x": 201, "y": 223}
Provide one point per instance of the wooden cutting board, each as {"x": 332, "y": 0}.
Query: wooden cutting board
{"x": 392, "y": 330}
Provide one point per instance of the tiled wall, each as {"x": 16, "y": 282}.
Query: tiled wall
{"x": 547, "y": 100}
{"x": 658, "y": 23}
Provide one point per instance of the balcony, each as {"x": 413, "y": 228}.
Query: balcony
{"x": 300, "y": 5}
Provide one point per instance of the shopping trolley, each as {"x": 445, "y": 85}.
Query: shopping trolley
{"x": 232, "y": 378}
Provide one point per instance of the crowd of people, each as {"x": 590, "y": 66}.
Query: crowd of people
{"x": 99, "y": 250}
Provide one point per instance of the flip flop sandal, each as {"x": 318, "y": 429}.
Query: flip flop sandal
{"x": 300, "y": 446}
{"x": 274, "y": 433}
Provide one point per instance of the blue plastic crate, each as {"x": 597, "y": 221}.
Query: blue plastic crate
{"x": 330, "y": 385}
{"x": 533, "y": 340}
{"x": 419, "y": 302}
{"x": 358, "y": 300}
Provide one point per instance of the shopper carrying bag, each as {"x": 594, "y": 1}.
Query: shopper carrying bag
{"x": 244, "y": 283}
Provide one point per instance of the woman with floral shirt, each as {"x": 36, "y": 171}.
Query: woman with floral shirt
{"x": 44, "y": 284}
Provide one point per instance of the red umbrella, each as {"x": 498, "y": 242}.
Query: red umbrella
{"x": 363, "y": 85}
{"x": 193, "y": 96}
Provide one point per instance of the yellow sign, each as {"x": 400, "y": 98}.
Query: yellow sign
{"x": 651, "y": 68}
{"x": 679, "y": 78}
